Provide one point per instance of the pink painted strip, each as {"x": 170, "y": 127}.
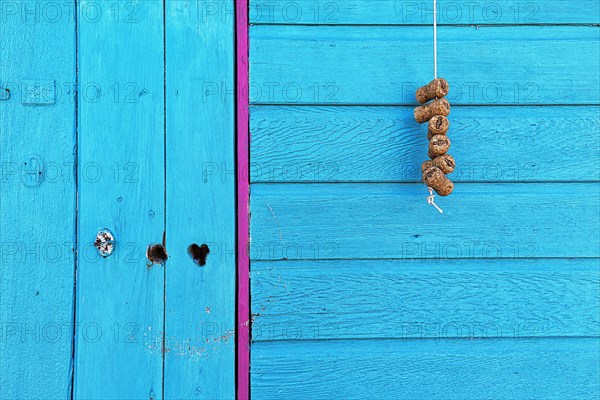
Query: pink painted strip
{"x": 243, "y": 139}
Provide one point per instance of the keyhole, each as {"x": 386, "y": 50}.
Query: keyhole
{"x": 198, "y": 253}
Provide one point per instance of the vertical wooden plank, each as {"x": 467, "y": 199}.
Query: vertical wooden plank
{"x": 200, "y": 300}
{"x": 243, "y": 199}
{"x": 120, "y": 301}
{"x": 37, "y": 198}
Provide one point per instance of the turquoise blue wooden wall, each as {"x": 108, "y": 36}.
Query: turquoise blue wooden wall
{"x": 362, "y": 290}
{"x": 359, "y": 288}
{"x": 143, "y": 147}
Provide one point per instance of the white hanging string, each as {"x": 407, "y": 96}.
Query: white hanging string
{"x": 431, "y": 198}
{"x": 434, "y": 39}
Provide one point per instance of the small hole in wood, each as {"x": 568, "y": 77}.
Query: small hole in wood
{"x": 156, "y": 254}
{"x": 198, "y": 253}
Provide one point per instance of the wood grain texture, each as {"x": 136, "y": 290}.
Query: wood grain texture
{"x": 349, "y": 221}
{"x": 121, "y": 135}
{"x": 405, "y": 12}
{"x": 308, "y": 300}
{"x": 200, "y": 300}
{"x": 37, "y": 204}
{"x": 427, "y": 369}
{"x": 385, "y": 144}
{"x": 346, "y": 252}
{"x": 386, "y": 64}
{"x": 243, "y": 203}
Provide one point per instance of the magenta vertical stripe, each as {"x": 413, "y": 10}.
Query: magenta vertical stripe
{"x": 243, "y": 181}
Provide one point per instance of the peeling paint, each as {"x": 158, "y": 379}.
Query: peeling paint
{"x": 105, "y": 243}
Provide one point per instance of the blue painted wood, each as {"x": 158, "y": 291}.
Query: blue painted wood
{"x": 385, "y": 65}
{"x": 37, "y": 203}
{"x": 120, "y": 301}
{"x": 418, "y": 299}
{"x": 324, "y": 221}
{"x": 200, "y": 300}
{"x": 385, "y": 144}
{"x": 427, "y": 369}
{"x": 404, "y": 12}
{"x": 501, "y": 256}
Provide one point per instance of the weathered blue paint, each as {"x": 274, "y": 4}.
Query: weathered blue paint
{"x": 411, "y": 12}
{"x": 383, "y": 144}
{"x": 121, "y": 187}
{"x": 386, "y": 64}
{"x": 200, "y": 300}
{"x": 37, "y": 203}
{"x": 74, "y": 165}
{"x": 374, "y": 221}
{"x": 362, "y": 290}
{"x": 522, "y": 368}
{"x": 425, "y": 298}
{"x": 502, "y": 254}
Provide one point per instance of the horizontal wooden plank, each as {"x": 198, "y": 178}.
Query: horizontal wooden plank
{"x": 427, "y": 369}
{"x": 369, "y": 144}
{"x": 350, "y": 221}
{"x": 402, "y": 12}
{"x": 471, "y": 299}
{"x": 385, "y": 64}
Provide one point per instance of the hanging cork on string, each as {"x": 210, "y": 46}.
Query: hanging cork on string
{"x": 439, "y": 145}
{"x": 436, "y": 89}
{"x": 438, "y": 125}
{"x": 435, "y": 109}
{"x": 445, "y": 163}
{"x": 436, "y": 179}
{"x": 426, "y": 165}
{"x": 427, "y": 111}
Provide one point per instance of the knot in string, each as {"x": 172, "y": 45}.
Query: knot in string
{"x": 431, "y": 201}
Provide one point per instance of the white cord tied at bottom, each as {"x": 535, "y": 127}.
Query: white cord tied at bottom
{"x": 431, "y": 200}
